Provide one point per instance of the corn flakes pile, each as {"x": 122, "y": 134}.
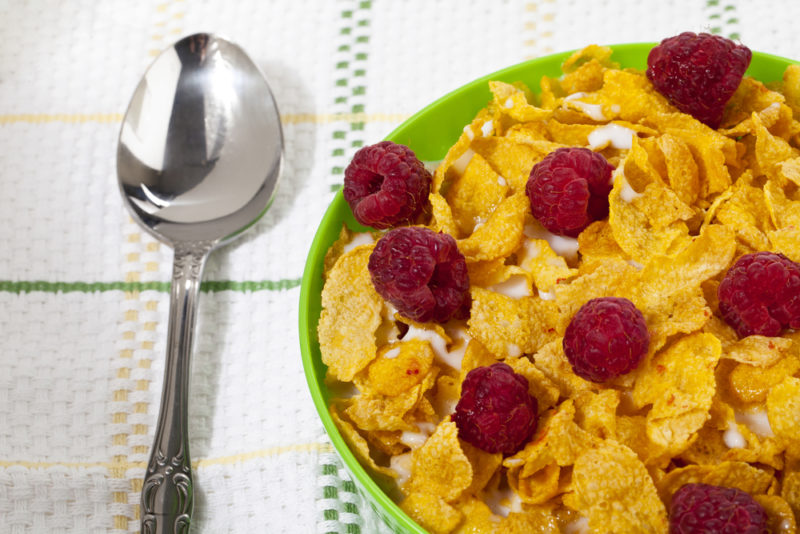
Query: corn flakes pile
{"x": 703, "y": 406}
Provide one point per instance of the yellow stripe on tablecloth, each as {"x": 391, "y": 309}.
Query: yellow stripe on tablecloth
{"x": 78, "y": 118}
{"x": 263, "y": 453}
{"x": 538, "y": 27}
{"x": 325, "y": 118}
{"x": 198, "y": 463}
{"x": 114, "y": 118}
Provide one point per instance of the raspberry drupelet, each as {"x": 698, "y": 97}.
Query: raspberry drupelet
{"x": 495, "y": 412}
{"x": 760, "y": 294}
{"x": 385, "y": 186}
{"x": 422, "y": 274}
{"x": 568, "y": 190}
{"x": 606, "y": 338}
{"x": 706, "y": 509}
{"x": 698, "y": 73}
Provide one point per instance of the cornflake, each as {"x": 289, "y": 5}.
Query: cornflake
{"x": 704, "y": 405}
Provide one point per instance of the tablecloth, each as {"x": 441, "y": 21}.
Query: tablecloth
{"x": 84, "y": 291}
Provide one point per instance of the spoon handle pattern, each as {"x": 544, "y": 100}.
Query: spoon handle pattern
{"x": 167, "y": 491}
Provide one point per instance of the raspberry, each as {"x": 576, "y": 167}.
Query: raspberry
{"x": 495, "y": 412}
{"x": 606, "y": 338}
{"x": 705, "y": 509}
{"x": 760, "y": 294}
{"x": 386, "y": 185}
{"x": 568, "y": 190}
{"x": 422, "y": 274}
{"x": 698, "y": 73}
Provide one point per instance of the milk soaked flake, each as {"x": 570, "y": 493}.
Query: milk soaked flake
{"x": 756, "y": 421}
{"x": 502, "y": 501}
{"x": 392, "y": 353}
{"x": 561, "y": 245}
{"x": 416, "y": 440}
{"x": 617, "y": 136}
{"x": 733, "y": 438}
{"x": 451, "y": 358}
{"x": 593, "y": 111}
{"x": 401, "y": 465}
{"x": 515, "y": 287}
{"x": 460, "y": 164}
{"x": 486, "y": 128}
{"x": 358, "y": 240}
{"x": 626, "y": 192}
{"x": 578, "y": 526}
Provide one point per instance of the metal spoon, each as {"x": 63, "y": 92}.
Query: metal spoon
{"x": 199, "y": 156}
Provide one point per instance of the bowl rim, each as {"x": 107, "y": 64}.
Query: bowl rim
{"x": 763, "y": 67}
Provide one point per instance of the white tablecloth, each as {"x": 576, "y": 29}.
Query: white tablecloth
{"x": 84, "y": 291}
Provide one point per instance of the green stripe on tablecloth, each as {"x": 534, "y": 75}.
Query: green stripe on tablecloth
{"x": 340, "y": 513}
{"x": 208, "y": 286}
{"x": 350, "y": 74}
{"x": 330, "y": 469}
{"x": 723, "y": 18}
{"x": 339, "y": 488}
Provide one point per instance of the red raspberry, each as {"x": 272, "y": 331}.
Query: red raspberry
{"x": 496, "y": 413}
{"x": 422, "y": 274}
{"x": 606, "y": 338}
{"x": 698, "y": 73}
{"x": 386, "y": 185}
{"x": 760, "y": 294}
{"x": 705, "y": 509}
{"x": 568, "y": 190}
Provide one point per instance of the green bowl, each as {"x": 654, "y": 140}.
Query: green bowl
{"x": 430, "y": 133}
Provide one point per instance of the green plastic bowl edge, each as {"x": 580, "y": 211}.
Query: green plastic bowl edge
{"x": 430, "y": 133}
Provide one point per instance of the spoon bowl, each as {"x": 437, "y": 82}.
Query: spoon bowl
{"x": 199, "y": 157}
{"x": 201, "y": 147}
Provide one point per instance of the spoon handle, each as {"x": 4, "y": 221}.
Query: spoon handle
{"x": 167, "y": 492}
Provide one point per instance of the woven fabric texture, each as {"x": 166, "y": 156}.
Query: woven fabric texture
{"x": 84, "y": 291}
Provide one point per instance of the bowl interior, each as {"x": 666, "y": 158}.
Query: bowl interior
{"x": 430, "y": 133}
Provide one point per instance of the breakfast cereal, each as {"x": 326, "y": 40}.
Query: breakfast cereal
{"x": 705, "y": 405}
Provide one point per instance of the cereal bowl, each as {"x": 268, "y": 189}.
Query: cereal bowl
{"x": 430, "y": 133}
